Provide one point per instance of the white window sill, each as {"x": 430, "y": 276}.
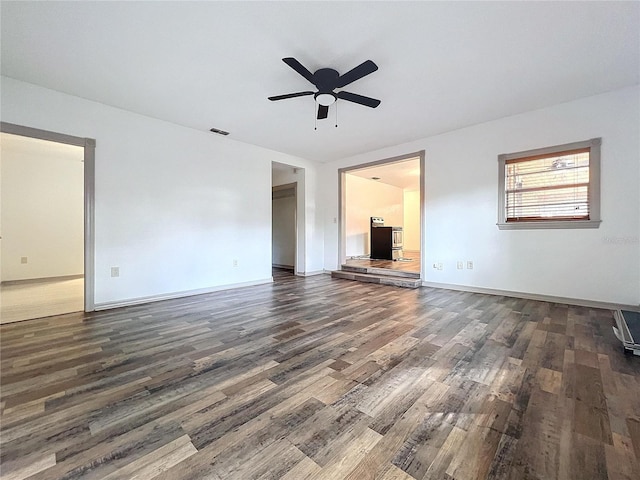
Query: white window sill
{"x": 550, "y": 224}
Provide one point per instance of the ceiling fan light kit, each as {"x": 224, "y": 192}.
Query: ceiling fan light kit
{"x": 327, "y": 80}
{"x": 325, "y": 99}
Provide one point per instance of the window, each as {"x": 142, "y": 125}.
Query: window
{"x": 554, "y": 187}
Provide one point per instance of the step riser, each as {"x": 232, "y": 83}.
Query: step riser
{"x": 380, "y": 271}
{"x": 402, "y": 283}
{"x": 363, "y": 277}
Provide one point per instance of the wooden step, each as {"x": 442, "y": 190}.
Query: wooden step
{"x": 380, "y": 271}
{"x": 395, "y": 280}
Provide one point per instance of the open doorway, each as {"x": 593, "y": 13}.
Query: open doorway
{"x": 283, "y": 227}
{"x": 387, "y": 194}
{"x": 44, "y": 219}
{"x": 287, "y": 256}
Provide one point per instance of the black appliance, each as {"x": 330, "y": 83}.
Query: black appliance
{"x": 627, "y": 330}
{"x": 386, "y": 242}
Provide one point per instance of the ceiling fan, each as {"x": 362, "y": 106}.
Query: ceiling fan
{"x": 326, "y": 80}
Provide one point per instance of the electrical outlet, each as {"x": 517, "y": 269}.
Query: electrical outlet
{"x": 235, "y": 262}
{"x": 115, "y": 271}
{"x": 435, "y": 265}
{"x": 439, "y": 266}
{"x": 23, "y": 259}
{"x": 460, "y": 265}
{"x": 469, "y": 265}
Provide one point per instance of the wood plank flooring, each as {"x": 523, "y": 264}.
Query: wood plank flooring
{"x": 406, "y": 266}
{"x": 319, "y": 378}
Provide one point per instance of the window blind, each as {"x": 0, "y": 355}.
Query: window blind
{"x": 548, "y": 187}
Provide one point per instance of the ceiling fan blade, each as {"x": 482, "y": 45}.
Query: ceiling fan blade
{"x": 290, "y": 95}
{"x": 365, "y": 68}
{"x": 323, "y": 111}
{"x": 298, "y": 67}
{"x": 352, "y": 97}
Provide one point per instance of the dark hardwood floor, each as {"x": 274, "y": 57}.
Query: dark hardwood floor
{"x": 321, "y": 378}
{"x": 409, "y": 263}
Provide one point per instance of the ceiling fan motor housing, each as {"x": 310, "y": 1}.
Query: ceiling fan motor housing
{"x": 325, "y": 79}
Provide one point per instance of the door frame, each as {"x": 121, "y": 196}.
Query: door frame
{"x": 342, "y": 217}
{"x": 287, "y": 186}
{"x": 89, "y": 145}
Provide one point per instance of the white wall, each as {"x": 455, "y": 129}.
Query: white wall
{"x": 461, "y": 195}
{"x": 411, "y": 219}
{"x": 173, "y": 206}
{"x": 365, "y": 198}
{"x": 42, "y": 209}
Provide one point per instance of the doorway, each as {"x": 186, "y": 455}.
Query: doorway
{"x": 389, "y": 190}
{"x": 287, "y": 219}
{"x": 46, "y": 217}
{"x": 283, "y": 227}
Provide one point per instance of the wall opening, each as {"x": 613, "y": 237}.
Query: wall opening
{"x": 392, "y": 190}
{"x": 46, "y": 216}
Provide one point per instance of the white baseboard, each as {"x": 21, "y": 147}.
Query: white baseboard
{"x": 284, "y": 267}
{"x": 309, "y": 274}
{"x": 186, "y": 293}
{"x": 533, "y": 296}
{"x": 42, "y": 279}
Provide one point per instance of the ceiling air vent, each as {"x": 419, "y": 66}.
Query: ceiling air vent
{"x": 218, "y": 131}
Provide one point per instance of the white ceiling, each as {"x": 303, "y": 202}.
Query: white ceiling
{"x": 442, "y": 65}
{"x": 404, "y": 174}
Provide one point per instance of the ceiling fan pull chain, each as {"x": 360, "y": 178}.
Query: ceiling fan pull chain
{"x": 336, "y": 114}
{"x": 315, "y": 117}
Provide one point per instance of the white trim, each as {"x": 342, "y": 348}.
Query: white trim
{"x": 533, "y": 296}
{"x": 283, "y": 267}
{"x": 56, "y": 278}
{"x": 310, "y": 274}
{"x": 186, "y": 293}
